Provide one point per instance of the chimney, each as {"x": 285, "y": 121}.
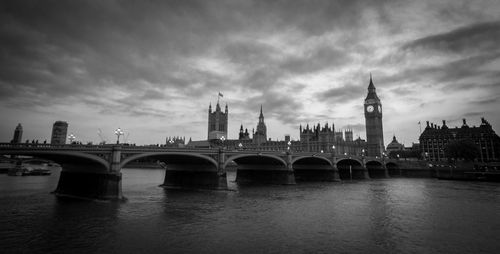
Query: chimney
{"x": 444, "y": 122}
{"x": 465, "y": 123}
{"x": 427, "y": 123}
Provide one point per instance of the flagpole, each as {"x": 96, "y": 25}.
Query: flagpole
{"x": 420, "y": 127}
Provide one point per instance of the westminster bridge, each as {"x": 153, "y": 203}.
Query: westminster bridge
{"x": 94, "y": 171}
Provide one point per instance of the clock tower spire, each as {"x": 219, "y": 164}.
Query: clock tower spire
{"x": 373, "y": 118}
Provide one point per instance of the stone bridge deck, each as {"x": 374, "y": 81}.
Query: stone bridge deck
{"x": 95, "y": 170}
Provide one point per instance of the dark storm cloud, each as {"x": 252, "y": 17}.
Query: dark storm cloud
{"x": 277, "y": 104}
{"x": 445, "y": 75}
{"x": 68, "y": 48}
{"x": 486, "y": 101}
{"x": 47, "y": 45}
{"x": 320, "y": 58}
{"x": 248, "y": 52}
{"x": 317, "y": 16}
{"x": 342, "y": 94}
{"x": 477, "y": 37}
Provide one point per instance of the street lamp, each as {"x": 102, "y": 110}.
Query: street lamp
{"x": 397, "y": 156}
{"x": 222, "y": 141}
{"x": 240, "y": 145}
{"x": 71, "y": 137}
{"x": 289, "y": 144}
{"x": 118, "y": 133}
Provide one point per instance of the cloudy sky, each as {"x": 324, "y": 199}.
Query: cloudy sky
{"x": 153, "y": 67}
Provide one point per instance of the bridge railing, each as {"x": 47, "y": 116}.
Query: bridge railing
{"x": 149, "y": 148}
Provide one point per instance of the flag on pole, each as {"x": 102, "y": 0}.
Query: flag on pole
{"x": 220, "y": 94}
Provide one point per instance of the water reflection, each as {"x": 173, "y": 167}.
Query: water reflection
{"x": 376, "y": 216}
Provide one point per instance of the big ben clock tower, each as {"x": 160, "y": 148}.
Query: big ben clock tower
{"x": 373, "y": 117}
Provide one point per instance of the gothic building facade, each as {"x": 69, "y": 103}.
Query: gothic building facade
{"x": 314, "y": 139}
{"x": 394, "y": 146}
{"x": 260, "y": 135}
{"x": 434, "y": 139}
{"x": 373, "y": 119}
{"x": 217, "y": 122}
{"x": 326, "y": 139}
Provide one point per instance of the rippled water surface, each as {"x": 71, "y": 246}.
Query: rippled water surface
{"x": 375, "y": 216}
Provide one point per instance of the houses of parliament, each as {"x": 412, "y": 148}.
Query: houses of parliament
{"x": 312, "y": 138}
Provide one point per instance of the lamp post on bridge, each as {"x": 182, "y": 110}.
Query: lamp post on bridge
{"x": 118, "y": 133}
{"x": 240, "y": 146}
{"x": 386, "y": 170}
{"x": 222, "y": 139}
{"x": 289, "y": 144}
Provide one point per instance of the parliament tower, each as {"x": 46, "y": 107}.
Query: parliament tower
{"x": 217, "y": 122}
{"x": 373, "y": 117}
{"x": 260, "y": 135}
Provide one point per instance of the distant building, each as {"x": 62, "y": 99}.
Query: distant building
{"x": 59, "y": 133}
{"x": 18, "y": 135}
{"x": 317, "y": 139}
{"x": 217, "y": 122}
{"x": 434, "y": 140}
{"x": 243, "y": 135}
{"x": 260, "y": 135}
{"x": 394, "y": 146}
{"x": 178, "y": 142}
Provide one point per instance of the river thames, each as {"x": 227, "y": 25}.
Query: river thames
{"x": 372, "y": 216}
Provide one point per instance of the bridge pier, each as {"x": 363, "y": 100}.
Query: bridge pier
{"x": 366, "y": 174}
{"x": 336, "y": 175}
{"x": 181, "y": 179}
{"x": 106, "y": 186}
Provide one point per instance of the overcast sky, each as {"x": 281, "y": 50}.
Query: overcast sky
{"x": 153, "y": 67}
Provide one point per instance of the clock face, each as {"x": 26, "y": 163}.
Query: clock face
{"x": 379, "y": 109}
{"x": 369, "y": 108}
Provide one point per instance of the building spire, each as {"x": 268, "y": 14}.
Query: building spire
{"x": 372, "y": 94}
{"x": 261, "y": 116}
{"x": 371, "y": 86}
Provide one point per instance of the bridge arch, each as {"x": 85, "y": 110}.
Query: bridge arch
{"x": 261, "y": 169}
{"x": 350, "y": 168}
{"x": 186, "y": 170}
{"x": 69, "y": 160}
{"x": 375, "y": 169}
{"x": 248, "y": 157}
{"x": 313, "y": 158}
{"x": 313, "y": 168}
{"x": 173, "y": 156}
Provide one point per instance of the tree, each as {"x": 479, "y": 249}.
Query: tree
{"x": 461, "y": 149}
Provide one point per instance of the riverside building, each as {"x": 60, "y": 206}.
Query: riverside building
{"x": 434, "y": 140}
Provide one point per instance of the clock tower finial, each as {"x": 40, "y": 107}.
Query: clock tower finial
{"x": 373, "y": 118}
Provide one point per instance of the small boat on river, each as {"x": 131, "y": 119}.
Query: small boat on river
{"x": 33, "y": 167}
